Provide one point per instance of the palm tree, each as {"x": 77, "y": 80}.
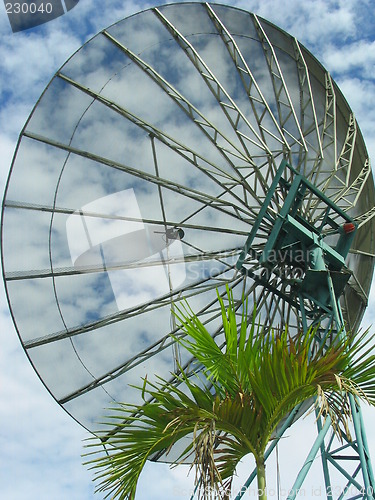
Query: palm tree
{"x": 232, "y": 405}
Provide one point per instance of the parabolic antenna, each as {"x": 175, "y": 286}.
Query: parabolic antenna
{"x": 184, "y": 148}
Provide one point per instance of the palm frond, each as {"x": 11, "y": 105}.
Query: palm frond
{"x": 234, "y": 401}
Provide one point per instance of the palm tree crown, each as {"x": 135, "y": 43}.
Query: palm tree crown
{"x": 232, "y": 404}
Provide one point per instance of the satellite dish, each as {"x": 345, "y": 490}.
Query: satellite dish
{"x": 158, "y": 165}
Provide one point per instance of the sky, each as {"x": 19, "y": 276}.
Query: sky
{"x": 41, "y": 444}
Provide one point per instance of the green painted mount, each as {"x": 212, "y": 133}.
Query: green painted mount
{"x": 315, "y": 254}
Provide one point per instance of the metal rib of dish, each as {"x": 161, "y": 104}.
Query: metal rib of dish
{"x": 137, "y": 179}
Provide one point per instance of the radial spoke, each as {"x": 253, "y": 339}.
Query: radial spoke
{"x": 308, "y": 119}
{"x": 120, "y": 266}
{"x": 342, "y": 170}
{"x": 205, "y": 125}
{"x": 284, "y": 102}
{"x": 151, "y": 351}
{"x": 194, "y": 194}
{"x": 328, "y": 137}
{"x": 253, "y": 90}
{"x": 213, "y": 171}
{"x": 350, "y": 194}
{"x": 224, "y": 100}
{"x": 161, "y": 301}
{"x": 156, "y": 222}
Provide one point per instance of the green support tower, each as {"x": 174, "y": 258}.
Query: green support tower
{"x": 318, "y": 274}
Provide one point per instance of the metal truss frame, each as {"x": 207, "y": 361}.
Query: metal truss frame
{"x": 302, "y": 137}
{"x": 350, "y": 451}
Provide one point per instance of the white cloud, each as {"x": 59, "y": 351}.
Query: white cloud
{"x": 312, "y": 23}
{"x": 41, "y": 445}
{"x": 356, "y": 57}
{"x": 360, "y": 93}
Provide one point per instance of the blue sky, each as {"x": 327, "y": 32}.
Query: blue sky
{"x": 40, "y": 444}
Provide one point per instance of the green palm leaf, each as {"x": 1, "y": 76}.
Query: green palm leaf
{"x": 232, "y": 404}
